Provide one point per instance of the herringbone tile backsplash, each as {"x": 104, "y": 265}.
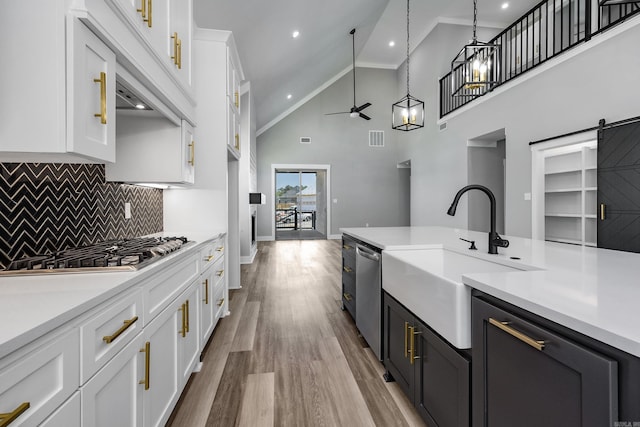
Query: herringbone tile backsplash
{"x": 52, "y": 206}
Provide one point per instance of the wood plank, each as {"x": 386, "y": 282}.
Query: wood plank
{"x": 258, "y": 401}
{"x": 246, "y": 332}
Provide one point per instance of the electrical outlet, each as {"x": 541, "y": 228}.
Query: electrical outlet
{"x": 127, "y": 210}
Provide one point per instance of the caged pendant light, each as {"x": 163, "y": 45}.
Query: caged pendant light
{"x": 473, "y": 70}
{"x": 408, "y": 113}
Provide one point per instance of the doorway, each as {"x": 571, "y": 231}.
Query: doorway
{"x": 300, "y": 205}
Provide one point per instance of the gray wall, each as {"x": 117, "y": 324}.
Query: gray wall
{"x": 485, "y": 166}
{"x": 364, "y": 180}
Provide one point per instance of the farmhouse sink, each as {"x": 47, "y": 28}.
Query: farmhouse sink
{"x": 429, "y": 283}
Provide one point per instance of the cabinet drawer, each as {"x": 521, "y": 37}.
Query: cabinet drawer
{"x": 218, "y": 301}
{"x": 109, "y": 331}
{"x": 211, "y": 253}
{"x": 43, "y": 379}
{"x": 348, "y": 248}
{"x": 349, "y": 294}
{"x": 164, "y": 287}
{"x": 68, "y": 415}
{"x": 218, "y": 272}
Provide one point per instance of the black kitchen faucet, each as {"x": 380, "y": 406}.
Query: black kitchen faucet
{"x": 495, "y": 240}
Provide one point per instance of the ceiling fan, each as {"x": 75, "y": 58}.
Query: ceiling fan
{"x": 355, "y": 111}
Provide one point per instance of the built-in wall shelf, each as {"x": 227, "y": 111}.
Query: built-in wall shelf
{"x": 565, "y": 191}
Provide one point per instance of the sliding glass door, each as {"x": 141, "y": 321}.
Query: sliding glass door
{"x": 296, "y": 212}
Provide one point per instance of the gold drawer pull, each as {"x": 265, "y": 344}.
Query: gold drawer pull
{"x": 347, "y": 247}
{"x": 179, "y": 54}
{"x": 9, "y": 417}
{"x": 220, "y": 249}
{"x": 237, "y": 99}
{"x": 147, "y": 363}
{"x": 103, "y": 97}
{"x": 206, "y": 291}
{"x": 209, "y": 258}
{"x": 347, "y": 296}
{"x": 174, "y": 37}
{"x": 127, "y": 323}
{"x": 537, "y": 344}
{"x": 186, "y": 304}
{"x": 347, "y": 269}
{"x": 220, "y": 273}
{"x": 149, "y": 17}
{"x": 602, "y": 206}
{"x": 220, "y": 302}
{"x": 143, "y": 9}
{"x": 412, "y": 348}
{"x": 192, "y": 153}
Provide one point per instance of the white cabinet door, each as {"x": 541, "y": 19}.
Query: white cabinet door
{"x": 91, "y": 78}
{"x": 67, "y": 415}
{"x": 34, "y": 386}
{"x": 189, "y": 341}
{"x": 113, "y": 397}
{"x": 162, "y": 390}
{"x": 150, "y": 18}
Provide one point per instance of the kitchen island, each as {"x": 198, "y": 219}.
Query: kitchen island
{"x": 550, "y": 315}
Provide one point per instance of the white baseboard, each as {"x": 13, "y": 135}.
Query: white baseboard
{"x": 265, "y": 238}
{"x": 249, "y": 259}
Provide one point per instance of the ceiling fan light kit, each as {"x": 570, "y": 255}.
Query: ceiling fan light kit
{"x": 408, "y": 113}
{"x": 473, "y": 70}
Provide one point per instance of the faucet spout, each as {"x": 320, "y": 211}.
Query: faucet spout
{"x": 495, "y": 240}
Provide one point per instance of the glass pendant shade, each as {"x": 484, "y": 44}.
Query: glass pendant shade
{"x": 474, "y": 70}
{"x": 408, "y": 114}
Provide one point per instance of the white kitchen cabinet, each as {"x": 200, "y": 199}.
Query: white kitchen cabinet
{"x": 108, "y": 331}
{"x": 152, "y": 149}
{"x": 67, "y": 415}
{"x": 181, "y": 32}
{"x": 162, "y": 388}
{"x": 42, "y": 117}
{"x": 212, "y": 281}
{"x": 91, "y": 78}
{"x": 114, "y": 396}
{"x": 35, "y": 385}
{"x": 189, "y": 339}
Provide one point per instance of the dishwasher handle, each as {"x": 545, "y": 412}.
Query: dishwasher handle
{"x": 367, "y": 253}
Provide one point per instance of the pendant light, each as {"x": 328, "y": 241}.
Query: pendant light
{"x": 473, "y": 70}
{"x": 408, "y": 113}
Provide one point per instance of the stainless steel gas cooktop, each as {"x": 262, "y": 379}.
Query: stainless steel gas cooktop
{"x": 113, "y": 255}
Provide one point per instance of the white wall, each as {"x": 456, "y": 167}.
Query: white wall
{"x": 364, "y": 180}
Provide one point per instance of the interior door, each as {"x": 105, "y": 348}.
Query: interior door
{"x": 619, "y": 187}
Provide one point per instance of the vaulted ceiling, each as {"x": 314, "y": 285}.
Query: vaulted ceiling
{"x": 278, "y": 65}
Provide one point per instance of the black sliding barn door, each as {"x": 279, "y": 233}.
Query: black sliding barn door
{"x": 619, "y": 187}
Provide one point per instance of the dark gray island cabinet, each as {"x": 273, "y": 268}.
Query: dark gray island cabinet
{"x": 349, "y": 275}
{"x": 434, "y": 375}
{"x": 529, "y": 371}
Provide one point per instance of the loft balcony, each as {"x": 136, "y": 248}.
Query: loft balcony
{"x": 549, "y": 29}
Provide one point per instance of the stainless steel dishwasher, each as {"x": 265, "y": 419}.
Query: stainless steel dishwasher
{"x": 368, "y": 296}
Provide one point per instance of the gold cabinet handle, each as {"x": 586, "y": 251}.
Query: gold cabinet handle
{"x": 237, "y": 141}
{"x": 537, "y": 344}
{"x": 406, "y": 339}
{"x": 347, "y": 247}
{"x": 187, "y": 315}
{"x": 9, "y": 417}
{"x": 220, "y": 273}
{"x": 143, "y": 9}
{"x": 103, "y": 97}
{"x": 412, "y": 347}
{"x": 209, "y": 258}
{"x": 347, "y": 296}
{"x": 127, "y": 323}
{"x": 237, "y": 99}
{"x": 602, "y": 206}
{"x": 174, "y": 37}
{"x": 220, "y": 249}
{"x": 220, "y": 302}
{"x": 192, "y": 153}
{"x": 147, "y": 364}
{"x": 179, "y": 54}
{"x": 183, "y": 331}
{"x": 206, "y": 291}
{"x": 149, "y": 18}
{"x": 347, "y": 269}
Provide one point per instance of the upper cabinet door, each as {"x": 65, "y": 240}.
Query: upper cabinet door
{"x": 91, "y": 95}
{"x": 151, "y": 19}
{"x": 180, "y": 30}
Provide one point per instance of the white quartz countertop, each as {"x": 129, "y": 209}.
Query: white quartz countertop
{"x": 593, "y": 291}
{"x": 33, "y": 305}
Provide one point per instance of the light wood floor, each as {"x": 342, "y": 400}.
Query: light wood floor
{"x": 288, "y": 355}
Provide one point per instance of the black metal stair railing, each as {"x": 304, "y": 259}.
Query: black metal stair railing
{"x": 549, "y": 29}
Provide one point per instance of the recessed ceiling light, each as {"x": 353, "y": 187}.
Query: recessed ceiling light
{"x": 505, "y": 5}
{"x": 140, "y": 106}
{"x": 392, "y": 43}
{"x": 295, "y": 34}
{"x": 289, "y": 96}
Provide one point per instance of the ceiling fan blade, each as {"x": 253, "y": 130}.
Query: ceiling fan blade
{"x": 364, "y": 116}
{"x": 362, "y": 107}
{"x": 342, "y": 112}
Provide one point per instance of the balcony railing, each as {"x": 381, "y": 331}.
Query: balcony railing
{"x": 549, "y": 29}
